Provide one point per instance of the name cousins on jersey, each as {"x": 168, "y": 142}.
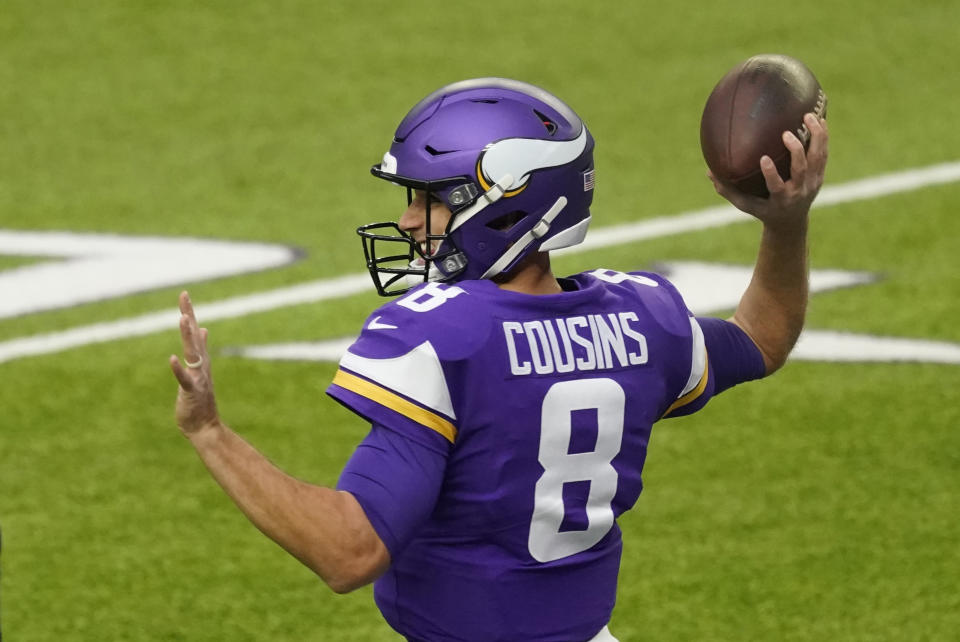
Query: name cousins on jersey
{"x": 582, "y": 343}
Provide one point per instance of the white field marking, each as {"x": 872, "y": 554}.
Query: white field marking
{"x": 325, "y": 289}
{"x": 706, "y": 288}
{"x": 826, "y": 345}
{"x": 96, "y": 267}
{"x": 713, "y": 287}
{"x": 329, "y": 351}
{"x": 169, "y": 319}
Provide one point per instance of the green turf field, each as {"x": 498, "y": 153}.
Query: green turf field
{"x": 820, "y": 504}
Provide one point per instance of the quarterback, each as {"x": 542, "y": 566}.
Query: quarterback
{"x": 509, "y": 409}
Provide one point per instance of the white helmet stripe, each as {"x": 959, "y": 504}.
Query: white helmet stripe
{"x": 521, "y": 156}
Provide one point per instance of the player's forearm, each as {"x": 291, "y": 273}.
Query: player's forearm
{"x": 773, "y": 308}
{"x": 323, "y": 528}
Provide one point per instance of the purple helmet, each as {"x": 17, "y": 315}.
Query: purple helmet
{"x": 512, "y": 162}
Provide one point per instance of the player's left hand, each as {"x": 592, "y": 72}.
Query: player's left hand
{"x": 789, "y": 201}
{"x": 196, "y": 404}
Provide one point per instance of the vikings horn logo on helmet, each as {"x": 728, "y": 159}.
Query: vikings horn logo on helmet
{"x": 518, "y": 157}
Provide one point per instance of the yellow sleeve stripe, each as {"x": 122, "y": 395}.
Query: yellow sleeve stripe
{"x": 396, "y": 403}
{"x": 696, "y": 392}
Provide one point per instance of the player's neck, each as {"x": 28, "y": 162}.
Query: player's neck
{"x": 533, "y": 276}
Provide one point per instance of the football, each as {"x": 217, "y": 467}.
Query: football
{"x": 747, "y": 113}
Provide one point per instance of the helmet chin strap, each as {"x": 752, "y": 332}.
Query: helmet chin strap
{"x": 536, "y": 232}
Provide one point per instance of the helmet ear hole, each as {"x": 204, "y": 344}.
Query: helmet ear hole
{"x": 507, "y": 221}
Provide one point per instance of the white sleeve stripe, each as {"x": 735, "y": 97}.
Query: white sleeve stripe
{"x": 698, "y": 360}
{"x": 416, "y": 375}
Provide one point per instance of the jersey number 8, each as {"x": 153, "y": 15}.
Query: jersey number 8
{"x": 547, "y": 542}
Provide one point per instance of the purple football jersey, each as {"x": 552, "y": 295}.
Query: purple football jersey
{"x": 542, "y": 406}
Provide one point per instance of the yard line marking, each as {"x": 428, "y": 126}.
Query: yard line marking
{"x": 325, "y": 289}
{"x": 169, "y": 319}
{"x": 829, "y": 345}
{"x": 329, "y": 351}
{"x": 94, "y": 267}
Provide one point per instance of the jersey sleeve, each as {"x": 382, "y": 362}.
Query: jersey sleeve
{"x": 392, "y": 376}
{"x": 734, "y": 357}
{"x": 396, "y": 481}
{"x": 730, "y": 357}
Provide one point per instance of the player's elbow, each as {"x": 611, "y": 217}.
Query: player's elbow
{"x": 774, "y": 341}
{"x": 774, "y": 352}
{"x": 343, "y": 585}
{"x": 354, "y": 555}
{"x": 776, "y": 349}
{"x": 773, "y": 361}
{"x": 352, "y": 572}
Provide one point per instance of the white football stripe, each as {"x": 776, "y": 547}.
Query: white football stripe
{"x": 326, "y": 351}
{"x": 708, "y": 288}
{"x": 825, "y": 345}
{"x": 105, "y": 266}
{"x": 169, "y": 319}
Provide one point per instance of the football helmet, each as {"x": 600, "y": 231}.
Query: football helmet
{"x": 512, "y": 162}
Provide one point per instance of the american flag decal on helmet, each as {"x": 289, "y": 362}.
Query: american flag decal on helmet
{"x": 588, "y": 180}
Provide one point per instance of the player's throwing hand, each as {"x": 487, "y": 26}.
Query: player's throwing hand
{"x": 196, "y": 404}
{"x": 789, "y": 200}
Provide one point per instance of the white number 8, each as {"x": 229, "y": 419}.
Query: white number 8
{"x": 547, "y": 542}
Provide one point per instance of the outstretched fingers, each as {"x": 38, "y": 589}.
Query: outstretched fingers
{"x": 196, "y": 405}
{"x": 191, "y": 336}
{"x": 194, "y": 342}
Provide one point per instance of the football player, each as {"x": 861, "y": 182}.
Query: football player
{"x": 510, "y": 410}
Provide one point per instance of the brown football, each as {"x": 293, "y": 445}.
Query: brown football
{"x": 747, "y": 113}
